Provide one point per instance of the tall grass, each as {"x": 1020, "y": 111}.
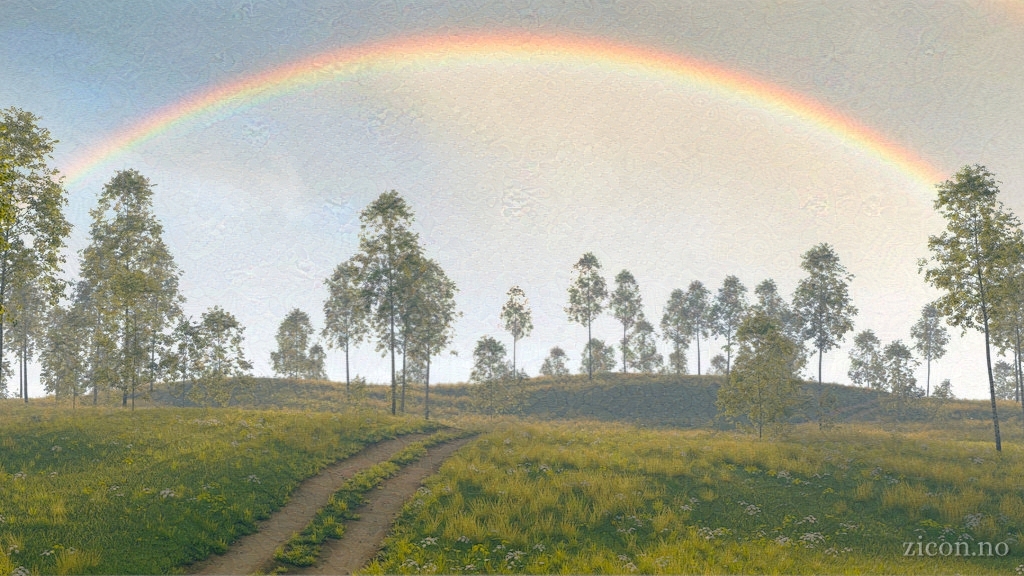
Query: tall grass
{"x": 600, "y": 498}
{"x": 117, "y": 492}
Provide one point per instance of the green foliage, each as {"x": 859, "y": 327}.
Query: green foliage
{"x": 221, "y": 370}
{"x": 587, "y": 295}
{"x": 554, "y": 364}
{"x": 1006, "y": 380}
{"x": 516, "y": 318}
{"x": 930, "y": 338}
{"x": 344, "y": 311}
{"x": 496, "y": 391}
{"x": 132, "y": 283}
{"x": 899, "y": 376}
{"x": 150, "y": 491}
{"x": 33, "y": 228}
{"x": 597, "y": 358}
{"x": 971, "y": 256}
{"x": 764, "y": 386}
{"x": 727, "y": 313}
{"x": 822, "y": 299}
{"x": 867, "y": 367}
{"x": 644, "y": 352}
{"x": 294, "y": 357}
{"x": 676, "y": 330}
{"x": 627, "y": 307}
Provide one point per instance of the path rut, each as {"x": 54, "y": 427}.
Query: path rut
{"x": 363, "y": 537}
{"x": 252, "y": 552}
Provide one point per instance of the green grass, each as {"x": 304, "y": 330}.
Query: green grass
{"x": 588, "y": 497}
{"x": 146, "y": 492}
{"x": 304, "y": 548}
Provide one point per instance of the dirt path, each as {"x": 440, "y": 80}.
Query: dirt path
{"x": 363, "y": 537}
{"x": 251, "y": 553}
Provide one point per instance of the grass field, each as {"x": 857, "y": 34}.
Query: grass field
{"x": 145, "y": 492}
{"x": 605, "y": 498}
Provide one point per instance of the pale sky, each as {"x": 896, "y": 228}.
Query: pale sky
{"x": 515, "y": 168}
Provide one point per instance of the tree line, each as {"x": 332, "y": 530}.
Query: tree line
{"x": 120, "y": 326}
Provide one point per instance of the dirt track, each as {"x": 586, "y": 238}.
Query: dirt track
{"x": 363, "y": 537}
{"x": 253, "y": 552}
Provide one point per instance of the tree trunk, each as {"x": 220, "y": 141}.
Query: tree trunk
{"x": 1020, "y": 374}
{"x": 426, "y": 396}
{"x": 394, "y": 381}
{"x": 590, "y": 352}
{"x": 3, "y": 318}
{"x": 928, "y": 377}
{"x": 346, "y": 370}
{"x": 988, "y": 361}
{"x": 625, "y": 366}
{"x": 401, "y": 407}
{"x": 698, "y": 352}
{"x": 515, "y": 372}
{"x": 24, "y": 368}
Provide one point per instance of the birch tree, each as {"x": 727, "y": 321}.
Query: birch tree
{"x": 517, "y": 319}
{"x": 930, "y": 339}
{"x": 587, "y": 295}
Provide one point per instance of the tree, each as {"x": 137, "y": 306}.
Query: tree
{"x": 930, "y": 339}
{"x": 969, "y": 256}
{"x": 316, "y": 369}
{"x": 944, "y": 390}
{"x": 587, "y": 294}
{"x": 291, "y": 360}
{"x": 33, "y": 228}
{"x": 387, "y": 248}
{"x": 646, "y": 358}
{"x": 775, "y": 306}
{"x": 516, "y": 318}
{"x": 867, "y": 367}
{"x": 697, "y": 314}
{"x": 433, "y": 316}
{"x": 627, "y": 307}
{"x": 63, "y": 354}
{"x": 344, "y": 311}
{"x": 899, "y": 375}
{"x": 718, "y": 365}
{"x": 676, "y": 329}
{"x": 764, "y": 385}
{"x": 492, "y": 372}
{"x": 727, "y": 314}
{"x": 822, "y": 299}
{"x": 1006, "y": 383}
{"x": 222, "y": 367}
{"x": 26, "y": 311}
{"x": 185, "y": 361}
{"x": 554, "y": 364}
{"x": 132, "y": 279}
{"x": 597, "y": 357}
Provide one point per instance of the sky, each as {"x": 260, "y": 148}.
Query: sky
{"x": 679, "y": 140}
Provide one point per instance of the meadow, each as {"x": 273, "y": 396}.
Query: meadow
{"x": 111, "y": 491}
{"x": 591, "y": 497}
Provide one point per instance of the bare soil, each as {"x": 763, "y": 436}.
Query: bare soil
{"x": 363, "y": 537}
{"x": 253, "y": 552}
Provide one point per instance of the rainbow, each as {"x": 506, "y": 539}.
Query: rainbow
{"x": 437, "y": 50}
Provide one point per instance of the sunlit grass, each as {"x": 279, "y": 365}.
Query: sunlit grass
{"x": 118, "y": 492}
{"x": 598, "y": 498}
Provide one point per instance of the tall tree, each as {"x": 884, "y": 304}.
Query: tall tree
{"x": 132, "y": 278}
{"x": 764, "y": 385}
{"x": 1006, "y": 385}
{"x": 930, "y": 339}
{"x": 645, "y": 354}
{"x": 516, "y": 318}
{"x": 291, "y": 359}
{"x": 899, "y": 374}
{"x": 186, "y": 359}
{"x": 26, "y": 311}
{"x": 822, "y": 299}
{"x": 554, "y": 364}
{"x": 63, "y": 354}
{"x": 345, "y": 312}
{"x": 775, "y": 306}
{"x": 492, "y": 373}
{"x": 223, "y": 366}
{"x": 587, "y": 295}
{"x": 969, "y": 256}
{"x": 386, "y": 248}
{"x": 433, "y": 315}
{"x": 727, "y": 313}
{"x": 697, "y": 314}
{"x": 867, "y": 366}
{"x": 675, "y": 328}
{"x": 33, "y": 228}
{"x": 627, "y": 307}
